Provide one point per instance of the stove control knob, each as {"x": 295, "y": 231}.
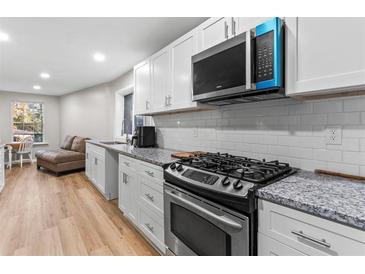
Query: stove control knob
{"x": 173, "y": 166}
{"x": 226, "y": 181}
{"x": 237, "y": 185}
{"x": 180, "y": 168}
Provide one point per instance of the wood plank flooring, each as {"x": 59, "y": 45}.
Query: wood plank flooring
{"x": 45, "y": 215}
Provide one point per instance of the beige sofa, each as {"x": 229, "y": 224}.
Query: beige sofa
{"x": 71, "y": 156}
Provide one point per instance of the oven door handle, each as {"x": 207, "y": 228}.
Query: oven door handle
{"x": 221, "y": 219}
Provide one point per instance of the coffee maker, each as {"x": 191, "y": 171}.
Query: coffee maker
{"x": 144, "y": 136}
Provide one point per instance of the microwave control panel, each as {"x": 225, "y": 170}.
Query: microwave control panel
{"x": 265, "y": 57}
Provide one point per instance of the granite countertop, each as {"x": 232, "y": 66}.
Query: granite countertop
{"x": 157, "y": 156}
{"x": 330, "y": 197}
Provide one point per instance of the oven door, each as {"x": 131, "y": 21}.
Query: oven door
{"x": 194, "y": 227}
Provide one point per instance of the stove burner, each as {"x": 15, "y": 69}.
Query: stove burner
{"x": 243, "y": 168}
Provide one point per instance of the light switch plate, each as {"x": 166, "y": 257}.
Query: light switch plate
{"x": 334, "y": 136}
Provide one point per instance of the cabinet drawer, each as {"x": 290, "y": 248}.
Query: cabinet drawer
{"x": 152, "y": 226}
{"x": 270, "y": 247}
{"x": 309, "y": 234}
{"x": 151, "y": 171}
{"x": 95, "y": 149}
{"x": 127, "y": 162}
{"x": 152, "y": 194}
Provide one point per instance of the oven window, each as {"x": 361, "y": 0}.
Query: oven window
{"x": 223, "y": 70}
{"x": 200, "y": 235}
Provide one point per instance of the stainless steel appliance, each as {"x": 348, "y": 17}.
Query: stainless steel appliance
{"x": 210, "y": 204}
{"x": 246, "y": 68}
{"x": 144, "y": 136}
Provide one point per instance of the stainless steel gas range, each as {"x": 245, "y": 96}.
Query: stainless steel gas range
{"x": 210, "y": 204}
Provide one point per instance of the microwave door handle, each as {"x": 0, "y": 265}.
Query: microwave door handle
{"x": 221, "y": 219}
{"x": 249, "y": 35}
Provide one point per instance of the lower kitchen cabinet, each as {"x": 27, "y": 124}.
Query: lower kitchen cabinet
{"x": 141, "y": 198}
{"x": 285, "y": 231}
{"x": 2, "y": 166}
{"x": 270, "y": 247}
{"x": 101, "y": 168}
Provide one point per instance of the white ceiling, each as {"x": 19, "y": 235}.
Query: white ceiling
{"x": 64, "y": 48}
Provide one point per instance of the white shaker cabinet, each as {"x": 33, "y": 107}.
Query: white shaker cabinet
{"x": 2, "y": 166}
{"x": 243, "y": 24}
{"x": 160, "y": 80}
{"x": 142, "y": 86}
{"x": 181, "y": 85}
{"x": 128, "y": 187}
{"x": 214, "y": 31}
{"x": 324, "y": 55}
{"x": 101, "y": 168}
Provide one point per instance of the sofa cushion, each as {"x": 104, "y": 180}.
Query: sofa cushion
{"x": 60, "y": 156}
{"x": 67, "y": 143}
{"x": 79, "y": 144}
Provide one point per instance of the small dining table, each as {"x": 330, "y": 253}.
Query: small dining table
{"x": 10, "y": 147}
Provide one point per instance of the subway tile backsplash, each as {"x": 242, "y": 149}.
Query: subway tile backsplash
{"x": 288, "y": 130}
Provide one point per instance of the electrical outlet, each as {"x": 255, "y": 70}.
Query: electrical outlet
{"x": 334, "y": 136}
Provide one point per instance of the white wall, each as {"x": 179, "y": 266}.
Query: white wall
{"x": 90, "y": 112}
{"x": 287, "y": 130}
{"x": 51, "y": 116}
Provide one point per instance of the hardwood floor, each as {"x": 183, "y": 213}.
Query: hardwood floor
{"x": 45, "y": 215}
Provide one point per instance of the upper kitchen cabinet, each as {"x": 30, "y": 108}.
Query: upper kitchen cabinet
{"x": 142, "y": 86}
{"x": 324, "y": 55}
{"x": 181, "y": 85}
{"x": 243, "y": 24}
{"x": 214, "y": 31}
{"x": 160, "y": 80}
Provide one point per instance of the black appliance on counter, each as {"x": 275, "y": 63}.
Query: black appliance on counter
{"x": 210, "y": 205}
{"x": 144, "y": 136}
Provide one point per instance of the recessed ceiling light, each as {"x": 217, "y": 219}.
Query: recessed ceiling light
{"x": 37, "y": 87}
{"x": 99, "y": 57}
{"x": 45, "y": 75}
{"x": 4, "y": 36}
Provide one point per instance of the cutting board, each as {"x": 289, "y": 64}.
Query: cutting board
{"x": 187, "y": 154}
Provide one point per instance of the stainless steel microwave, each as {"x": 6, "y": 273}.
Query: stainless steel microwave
{"x": 248, "y": 67}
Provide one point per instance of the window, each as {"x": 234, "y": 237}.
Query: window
{"x": 128, "y": 114}
{"x": 27, "y": 121}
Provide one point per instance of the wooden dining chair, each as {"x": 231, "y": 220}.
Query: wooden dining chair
{"x": 25, "y": 148}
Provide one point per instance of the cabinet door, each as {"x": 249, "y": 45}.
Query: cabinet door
{"x": 99, "y": 167}
{"x": 88, "y": 165}
{"x": 160, "y": 80}
{"x": 325, "y": 54}
{"x": 181, "y": 52}
{"x": 142, "y": 88}
{"x": 214, "y": 31}
{"x": 243, "y": 24}
{"x": 128, "y": 195}
{"x": 2, "y": 171}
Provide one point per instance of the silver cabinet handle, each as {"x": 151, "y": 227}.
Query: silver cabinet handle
{"x": 147, "y": 105}
{"x": 150, "y": 197}
{"x": 124, "y": 178}
{"x": 310, "y": 238}
{"x": 96, "y": 161}
{"x": 249, "y": 36}
{"x": 169, "y": 99}
{"x": 225, "y": 30}
{"x": 150, "y": 227}
{"x": 149, "y": 173}
{"x": 126, "y": 163}
{"x": 233, "y": 27}
{"x": 221, "y": 219}
{"x": 166, "y": 101}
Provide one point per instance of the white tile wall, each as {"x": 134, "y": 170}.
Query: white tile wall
{"x": 287, "y": 130}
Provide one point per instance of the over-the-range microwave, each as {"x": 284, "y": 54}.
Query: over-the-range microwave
{"x": 246, "y": 68}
